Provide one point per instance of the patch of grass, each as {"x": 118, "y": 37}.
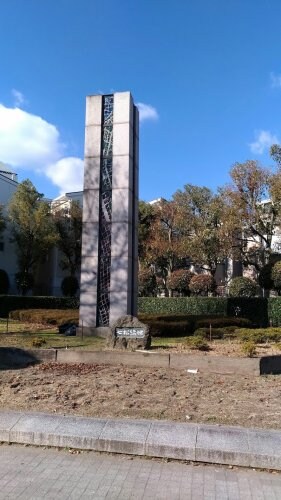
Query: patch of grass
{"x": 49, "y": 339}
{"x": 15, "y": 326}
{"x": 167, "y": 341}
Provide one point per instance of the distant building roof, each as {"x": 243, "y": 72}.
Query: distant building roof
{"x": 5, "y": 171}
{"x": 158, "y": 200}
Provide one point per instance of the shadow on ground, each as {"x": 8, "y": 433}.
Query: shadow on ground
{"x": 13, "y": 358}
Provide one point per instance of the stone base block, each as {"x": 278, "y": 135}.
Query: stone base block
{"x": 93, "y": 331}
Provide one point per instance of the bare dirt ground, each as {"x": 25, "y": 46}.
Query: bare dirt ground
{"x": 232, "y": 348}
{"x": 120, "y": 391}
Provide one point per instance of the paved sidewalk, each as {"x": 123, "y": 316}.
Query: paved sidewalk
{"x": 152, "y": 438}
{"x": 29, "y": 473}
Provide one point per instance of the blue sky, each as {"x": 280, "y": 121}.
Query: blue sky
{"x": 209, "y": 72}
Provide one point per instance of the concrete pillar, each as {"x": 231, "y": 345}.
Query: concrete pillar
{"x": 110, "y": 211}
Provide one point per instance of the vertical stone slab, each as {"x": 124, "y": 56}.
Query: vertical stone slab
{"x": 135, "y": 218}
{"x": 91, "y": 194}
{"x": 110, "y": 211}
{"x": 122, "y": 206}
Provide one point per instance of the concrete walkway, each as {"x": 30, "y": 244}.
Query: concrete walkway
{"x": 196, "y": 442}
{"x": 32, "y": 473}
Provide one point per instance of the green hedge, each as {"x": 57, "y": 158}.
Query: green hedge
{"x": 261, "y": 311}
{"x": 170, "y": 328}
{"x": 255, "y": 309}
{"x": 195, "y": 306}
{"x": 170, "y": 325}
{"x": 146, "y": 318}
{"x": 10, "y": 303}
{"x": 274, "y": 310}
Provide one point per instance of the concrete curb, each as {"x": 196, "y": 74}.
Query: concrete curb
{"x": 202, "y": 443}
{"x": 204, "y": 363}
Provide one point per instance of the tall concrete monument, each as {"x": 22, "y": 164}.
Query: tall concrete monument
{"x": 108, "y": 287}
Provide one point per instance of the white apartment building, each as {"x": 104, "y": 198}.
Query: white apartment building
{"x": 8, "y": 185}
{"x": 49, "y": 275}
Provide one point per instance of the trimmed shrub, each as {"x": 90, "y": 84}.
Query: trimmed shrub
{"x": 202, "y": 284}
{"x": 10, "y": 303}
{"x": 38, "y": 342}
{"x": 45, "y": 316}
{"x": 147, "y": 283}
{"x": 179, "y": 281}
{"x": 249, "y": 349}
{"x": 260, "y": 336}
{"x": 223, "y": 322}
{"x": 4, "y": 282}
{"x": 216, "y": 333}
{"x": 170, "y": 328}
{"x": 197, "y": 343}
{"x": 146, "y": 318}
{"x": 242, "y": 287}
{"x": 69, "y": 286}
{"x": 276, "y": 277}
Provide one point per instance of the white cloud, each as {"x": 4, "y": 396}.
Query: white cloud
{"x": 67, "y": 173}
{"x": 264, "y": 139}
{"x": 29, "y": 142}
{"x": 19, "y": 98}
{"x": 275, "y": 80}
{"x": 147, "y": 112}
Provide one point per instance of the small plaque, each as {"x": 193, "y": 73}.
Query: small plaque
{"x": 132, "y": 333}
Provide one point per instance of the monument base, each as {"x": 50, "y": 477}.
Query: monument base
{"x": 93, "y": 331}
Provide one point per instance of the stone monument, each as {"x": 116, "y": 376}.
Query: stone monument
{"x": 108, "y": 286}
{"x": 129, "y": 332}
